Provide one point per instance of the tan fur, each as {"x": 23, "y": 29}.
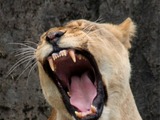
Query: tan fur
{"x": 109, "y": 45}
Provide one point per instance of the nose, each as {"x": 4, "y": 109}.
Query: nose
{"x": 53, "y": 37}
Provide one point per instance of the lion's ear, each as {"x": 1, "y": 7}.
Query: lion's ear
{"x": 128, "y": 30}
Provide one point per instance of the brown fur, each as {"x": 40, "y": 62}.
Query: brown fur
{"x": 109, "y": 45}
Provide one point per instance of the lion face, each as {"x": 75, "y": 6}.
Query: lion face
{"x": 82, "y": 64}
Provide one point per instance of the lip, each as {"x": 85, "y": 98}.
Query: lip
{"x": 99, "y": 99}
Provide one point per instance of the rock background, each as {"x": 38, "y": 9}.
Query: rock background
{"x": 25, "y": 20}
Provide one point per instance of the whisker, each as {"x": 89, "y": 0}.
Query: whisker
{"x": 28, "y": 41}
{"x": 24, "y": 49}
{"x": 25, "y": 70}
{"x": 89, "y": 30}
{"x": 15, "y": 68}
{"x": 32, "y": 68}
{"x": 30, "y": 61}
{"x": 27, "y": 48}
{"x": 90, "y": 25}
{"x": 92, "y": 32}
{"x": 18, "y": 63}
{"x": 22, "y": 44}
{"x": 100, "y": 19}
{"x": 25, "y": 53}
{"x": 26, "y": 57}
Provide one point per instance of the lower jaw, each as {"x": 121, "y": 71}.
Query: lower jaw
{"x": 71, "y": 110}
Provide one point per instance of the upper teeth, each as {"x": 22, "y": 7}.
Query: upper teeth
{"x": 55, "y": 56}
{"x": 62, "y": 53}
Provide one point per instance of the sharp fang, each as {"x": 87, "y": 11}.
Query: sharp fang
{"x": 50, "y": 60}
{"x": 68, "y": 94}
{"x": 72, "y": 54}
{"x": 78, "y": 114}
{"x": 93, "y": 109}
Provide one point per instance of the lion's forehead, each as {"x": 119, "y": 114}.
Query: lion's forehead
{"x": 79, "y": 26}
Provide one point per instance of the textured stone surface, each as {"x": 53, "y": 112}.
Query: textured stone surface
{"x": 25, "y": 20}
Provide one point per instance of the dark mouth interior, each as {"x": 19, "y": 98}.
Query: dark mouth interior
{"x": 79, "y": 82}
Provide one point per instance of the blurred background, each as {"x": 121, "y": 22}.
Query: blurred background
{"x": 25, "y": 20}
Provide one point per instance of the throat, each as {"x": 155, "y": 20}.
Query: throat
{"x": 82, "y": 92}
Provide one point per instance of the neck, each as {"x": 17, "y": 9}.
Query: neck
{"x": 121, "y": 107}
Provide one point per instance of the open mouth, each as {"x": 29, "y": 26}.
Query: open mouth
{"x": 78, "y": 79}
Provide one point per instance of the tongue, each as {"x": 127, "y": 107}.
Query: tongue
{"x": 82, "y": 92}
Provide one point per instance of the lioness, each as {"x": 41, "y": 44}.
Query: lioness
{"x": 84, "y": 71}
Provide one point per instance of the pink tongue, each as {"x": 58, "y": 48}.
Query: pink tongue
{"x": 82, "y": 92}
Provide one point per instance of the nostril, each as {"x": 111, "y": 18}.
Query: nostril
{"x": 54, "y": 36}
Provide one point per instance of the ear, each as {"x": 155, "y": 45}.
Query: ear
{"x": 128, "y": 30}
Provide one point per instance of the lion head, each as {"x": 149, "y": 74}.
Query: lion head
{"x": 84, "y": 69}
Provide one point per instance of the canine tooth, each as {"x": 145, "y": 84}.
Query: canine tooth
{"x": 78, "y": 114}
{"x": 68, "y": 94}
{"x": 50, "y": 60}
{"x": 72, "y": 54}
{"x": 93, "y": 109}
